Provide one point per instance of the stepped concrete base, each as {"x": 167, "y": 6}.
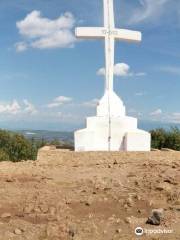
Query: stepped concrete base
{"x": 111, "y": 120}
{"x": 125, "y": 136}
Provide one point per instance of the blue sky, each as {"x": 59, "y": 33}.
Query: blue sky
{"x": 49, "y": 79}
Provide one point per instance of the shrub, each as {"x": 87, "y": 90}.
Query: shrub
{"x": 158, "y": 138}
{"x": 162, "y": 138}
{"x": 3, "y": 156}
{"x": 16, "y": 147}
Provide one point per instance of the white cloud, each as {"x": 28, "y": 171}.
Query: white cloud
{"x": 58, "y": 101}
{"x": 91, "y": 103}
{"x": 171, "y": 69}
{"x": 140, "y": 74}
{"x": 101, "y": 72}
{"x": 121, "y": 70}
{"x": 44, "y": 33}
{"x": 140, "y": 94}
{"x": 21, "y": 46}
{"x": 173, "y": 117}
{"x": 16, "y": 108}
{"x": 156, "y": 113}
{"x": 66, "y": 116}
{"x": 149, "y": 10}
{"x": 29, "y": 107}
{"x": 134, "y": 112}
{"x": 10, "y": 108}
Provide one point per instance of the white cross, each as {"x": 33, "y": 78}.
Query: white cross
{"x": 110, "y": 34}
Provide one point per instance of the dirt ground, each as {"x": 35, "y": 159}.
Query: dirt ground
{"x": 89, "y": 196}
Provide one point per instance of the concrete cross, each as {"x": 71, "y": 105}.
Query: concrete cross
{"x": 109, "y": 33}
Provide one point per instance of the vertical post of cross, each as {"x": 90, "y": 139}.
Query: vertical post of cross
{"x": 109, "y": 57}
{"x": 109, "y": 43}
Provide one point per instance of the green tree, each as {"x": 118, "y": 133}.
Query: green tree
{"x": 16, "y": 147}
{"x": 173, "y": 139}
{"x": 158, "y": 138}
{"x": 162, "y": 138}
{"x": 3, "y": 156}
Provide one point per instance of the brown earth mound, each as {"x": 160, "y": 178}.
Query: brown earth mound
{"x": 90, "y": 196}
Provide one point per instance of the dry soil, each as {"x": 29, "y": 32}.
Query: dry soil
{"x": 89, "y": 196}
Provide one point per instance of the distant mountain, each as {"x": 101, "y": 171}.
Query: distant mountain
{"x": 149, "y": 125}
{"x": 48, "y": 135}
{"x": 68, "y": 136}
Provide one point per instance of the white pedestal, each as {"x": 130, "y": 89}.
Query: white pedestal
{"x": 125, "y": 136}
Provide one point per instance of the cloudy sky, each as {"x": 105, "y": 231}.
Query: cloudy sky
{"x": 49, "y": 80}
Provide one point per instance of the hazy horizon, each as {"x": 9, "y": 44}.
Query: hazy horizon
{"x": 63, "y": 127}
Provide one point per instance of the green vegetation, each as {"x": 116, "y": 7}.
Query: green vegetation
{"x": 3, "y": 156}
{"x": 162, "y": 138}
{"x": 15, "y": 147}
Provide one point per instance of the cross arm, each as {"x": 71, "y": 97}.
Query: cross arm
{"x": 127, "y": 35}
{"x": 89, "y": 32}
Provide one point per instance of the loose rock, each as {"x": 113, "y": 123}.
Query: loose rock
{"x": 118, "y": 230}
{"x": 163, "y": 187}
{"x": 156, "y": 217}
{"x": 18, "y": 231}
{"x": 6, "y": 215}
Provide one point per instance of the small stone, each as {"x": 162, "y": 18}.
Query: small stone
{"x": 131, "y": 175}
{"x": 18, "y": 231}
{"x": 37, "y": 209}
{"x": 129, "y": 202}
{"x": 156, "y": 217}
{"x": 106, "y": 189}
{"x": 139, "y": 211}
{"x": 84, "y": 191}
{"x": 118, "y": 230}
{"x": 171, "y": 181}
{"x": 177, "y": 208}
{"x": 20, "y": 214}
{"x": 177, "y": 202}
{"x": 136, "y": 183}
{"x": 44, "y": 208}
{"x": 90, "y": 215}
{"x": 68, "y": 202}
{"x": 87, "y": 203}
{"x": 115, "y": 162}
{"x": 118, "y": 220}
{"x": 126, "y": 206}
{"x": 6, "y": 215}
{"x": 71, "y": 233}
{"x": 163, "y": 187}
{"x": 110, "y": 219}
{"x": 128, "y": 220}
{"x": 9, "y": 180}
{"x": 136, "y": 196}
{"x": 28, "y": 209}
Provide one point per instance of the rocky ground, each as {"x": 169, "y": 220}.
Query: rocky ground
{"x": 90, "y": 196}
